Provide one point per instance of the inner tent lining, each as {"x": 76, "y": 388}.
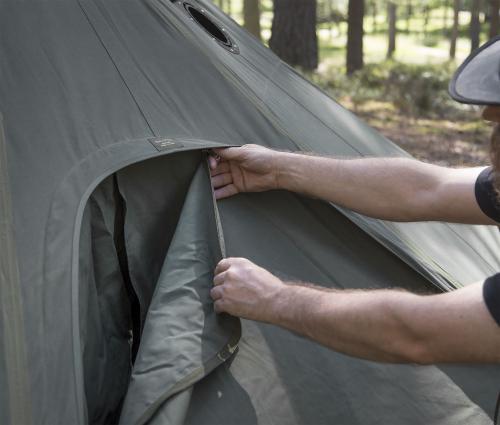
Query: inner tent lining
{"x": 150, "y": 196}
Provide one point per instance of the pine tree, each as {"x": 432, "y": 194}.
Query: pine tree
{"x": 293, "y": 30}
{"x": 475, "y": 24}
{"x": 355, "y": 15}
{"x": 251, "y": 16}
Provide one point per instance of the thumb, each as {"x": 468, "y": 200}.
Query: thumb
{"x": 229, "y": 153}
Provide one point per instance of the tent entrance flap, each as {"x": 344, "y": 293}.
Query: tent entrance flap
{"x": 164, "y": 212}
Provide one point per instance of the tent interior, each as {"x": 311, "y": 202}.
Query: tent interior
{"x": 150, "y": 239}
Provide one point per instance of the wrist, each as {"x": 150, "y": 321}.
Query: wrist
{"x": 288, "y": 171}
{"x": 273, "y": 304}
{"x": 292, "y": 304}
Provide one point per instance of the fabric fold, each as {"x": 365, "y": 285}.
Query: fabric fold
{"x": 183, "y": 339}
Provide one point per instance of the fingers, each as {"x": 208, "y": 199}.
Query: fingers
{"x": 216, "y": 293}
{"x": 212, "y": 162}
{"x": 220, "y": 167}
{"x": 215, "y": 161}
{"x": 219, "y": 306}
{"x": 220, "y": 278}
{"x": 228, "y": 153}
{"x": 222, "y": 180}
{"x": 225, "y": 263}
{"x": 225, "y": 191}
{"x": 222, "y": 266}
{"x": 226, "y": 281}
{"x": 220, "y": 171}
{"x": 222, "y": 155}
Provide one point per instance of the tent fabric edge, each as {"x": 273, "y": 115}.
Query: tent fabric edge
{"x": 11, "y": 303}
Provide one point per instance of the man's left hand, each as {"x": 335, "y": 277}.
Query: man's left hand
{"x": 244, "y": 289}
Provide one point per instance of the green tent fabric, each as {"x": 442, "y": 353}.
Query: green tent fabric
{"x": 109, "y": 231}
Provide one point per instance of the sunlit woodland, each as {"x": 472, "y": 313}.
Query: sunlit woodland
{"x": 388, "y": 61}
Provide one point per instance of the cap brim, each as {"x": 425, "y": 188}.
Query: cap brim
{"x": 477, "y": 80}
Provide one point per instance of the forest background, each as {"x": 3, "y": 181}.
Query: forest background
{"x": 390, "y": 62}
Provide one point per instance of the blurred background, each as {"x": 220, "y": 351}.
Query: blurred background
{"x": 388, "y": 61}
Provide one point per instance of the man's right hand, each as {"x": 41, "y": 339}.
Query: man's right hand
{"x": 250, "y": 168}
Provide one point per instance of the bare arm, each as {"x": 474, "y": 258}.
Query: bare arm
{"x": 380, "y": 325}
{"x": 397, "y": 189}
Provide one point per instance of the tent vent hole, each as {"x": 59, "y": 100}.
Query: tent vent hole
{"x": 218, "y": 33}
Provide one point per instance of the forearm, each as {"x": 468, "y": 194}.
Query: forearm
{"x": 397, "y": 189}
{"x": 381, "y": 325}
{"x": 375, "y": 325}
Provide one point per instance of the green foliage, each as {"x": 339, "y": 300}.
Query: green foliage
{"x": 417, "y": 90}
{"x": 431, "y": 40}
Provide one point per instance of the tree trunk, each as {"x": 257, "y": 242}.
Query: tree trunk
{"x": 409, "y": 12}
{"x": 355, "y": 15}
{"x": 494, "y": 20}
{"x": 445, "y": 15}
{"x": 251, "y": 16}
{"x": 427, "y": 11}
{"x": 454, "y": 29}
{"x": 391, "y": 16}
{"x": 293, "y": 33}
{"x": 374, "y": 16}
{"x": 475, "y": 24}
{"x": 329, "y": 9}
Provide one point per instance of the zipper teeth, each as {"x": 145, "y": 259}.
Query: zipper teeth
{"x": 218, "y": 222}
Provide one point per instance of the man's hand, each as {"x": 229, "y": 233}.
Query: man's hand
{"x": 243, "y": 289}
{"x": 250, "y": 168}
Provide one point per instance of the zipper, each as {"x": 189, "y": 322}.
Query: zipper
{"x": 218, "y": 223}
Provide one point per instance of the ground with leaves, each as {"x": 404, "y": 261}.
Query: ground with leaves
{"x": 462, "y": 140}
{"x": 410, "y": 105}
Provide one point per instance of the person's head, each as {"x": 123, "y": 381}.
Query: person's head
{"x": 477, "y": 82}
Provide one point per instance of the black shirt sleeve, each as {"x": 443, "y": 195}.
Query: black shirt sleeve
{"x": 491, "y": 294}
{"x": 486, "y": 195}
{"x": 487, "y": 200}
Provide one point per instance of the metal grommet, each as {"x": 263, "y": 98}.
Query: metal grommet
{"x": 217, "y": 33}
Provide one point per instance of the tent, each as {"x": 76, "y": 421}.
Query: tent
{"x": 110, "y": 232}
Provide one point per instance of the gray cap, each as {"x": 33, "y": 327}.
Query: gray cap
{"x": 477, "y": 80}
